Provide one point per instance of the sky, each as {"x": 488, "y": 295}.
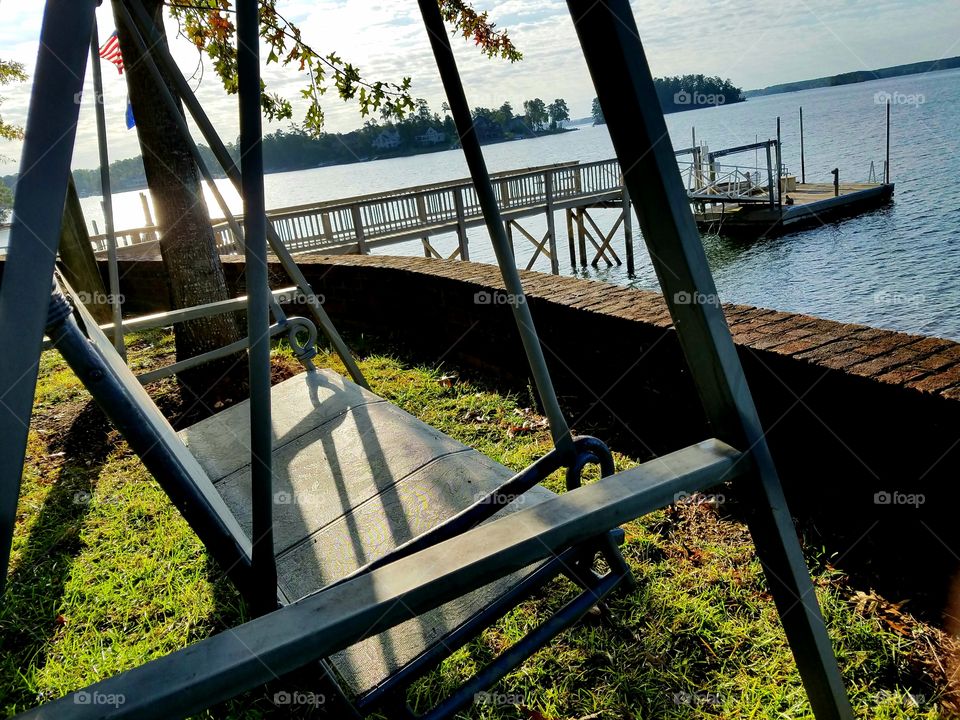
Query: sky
{"x": 754, "y": 44}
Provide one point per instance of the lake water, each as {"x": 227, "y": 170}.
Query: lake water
{"x": 897, "y": 267}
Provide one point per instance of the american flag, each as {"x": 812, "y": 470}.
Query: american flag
{"x": 111, "y": 51}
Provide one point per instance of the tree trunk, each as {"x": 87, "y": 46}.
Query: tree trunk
{"x": 194, "y": 271}
{"x": 78, "y": 261}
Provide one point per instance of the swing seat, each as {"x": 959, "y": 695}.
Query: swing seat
{"x": 354, "y": 477}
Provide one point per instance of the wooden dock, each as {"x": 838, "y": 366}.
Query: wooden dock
{"x": 809, "y": 205}
{"x": 422, "y": 213}
{"x": 764, "y": 199}
{"x": 728, "y": 199}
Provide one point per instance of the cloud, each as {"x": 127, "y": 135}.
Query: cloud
{"x": 754, "y": 44}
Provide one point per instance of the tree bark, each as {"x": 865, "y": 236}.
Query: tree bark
{"x": 78, "y": 261}
{"x": 194, "y": 272}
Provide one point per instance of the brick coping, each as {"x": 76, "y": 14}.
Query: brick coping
{"x": 924, "y": 364}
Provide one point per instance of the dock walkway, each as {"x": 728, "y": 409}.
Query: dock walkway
{"x": 360, "y": 224}
{"x": 727, "y": 199}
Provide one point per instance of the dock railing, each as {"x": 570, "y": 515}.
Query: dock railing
{"x": 360, "y": 223}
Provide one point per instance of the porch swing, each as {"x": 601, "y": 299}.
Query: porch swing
{"x": 366, "y": 540}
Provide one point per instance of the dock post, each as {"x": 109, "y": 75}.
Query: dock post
{"x": 327, "y": 227}
{"x": 573, "y": 250}
{"x": 779, "y": 171}
{"x": 803, "y": 167}
{"x": 96, "y": 230}
{"x": 769, "y": 175}
{"x": 147, "y": 215}
{"x": 358, "y": 229}
{"x": 582, "y": 237}
{"x": 461, "y": 224}
{"x": 836, "y": 181}
{"x": 886, "y": 162}
{"x": 628, "y": 230}
{"x": 551, "y": 223}
{"x": 422, "y": 214}
{"x": 508, "y": 226}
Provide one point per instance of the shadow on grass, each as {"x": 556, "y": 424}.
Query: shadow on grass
{"x": 29, "y": 617}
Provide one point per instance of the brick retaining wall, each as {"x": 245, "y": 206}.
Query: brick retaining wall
{"x": 850, "y": 411}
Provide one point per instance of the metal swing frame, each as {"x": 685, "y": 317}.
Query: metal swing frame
{"x": 420, "y": 575}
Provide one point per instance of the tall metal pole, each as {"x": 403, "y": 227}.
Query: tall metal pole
{"x": 105, "y": 191}
{"x": 779, "y": 171}
{"x": 886, "y": 162}
{"x": 450, "y": 76}
{"x": 803, "y": 166}
{"x": 35, "y": 236}
{"x": 258, "y": 290}
{"x": 628, "y": 98}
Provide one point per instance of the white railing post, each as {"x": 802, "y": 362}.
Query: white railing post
{"x": 358, "y": 229}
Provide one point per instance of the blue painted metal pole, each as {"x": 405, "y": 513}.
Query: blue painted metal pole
{"x": 459, "y": 108}
{"x": 258, "y": 291}
{"x": 113, "y": 274}
{"x": 35, "y": 235}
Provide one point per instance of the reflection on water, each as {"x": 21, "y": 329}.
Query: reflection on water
{"x": 896, "y": 267}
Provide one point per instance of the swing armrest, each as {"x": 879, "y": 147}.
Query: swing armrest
{"x": 212, "y": 670}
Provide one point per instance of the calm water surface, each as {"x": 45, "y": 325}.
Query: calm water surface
{"x": 897, "y": 267}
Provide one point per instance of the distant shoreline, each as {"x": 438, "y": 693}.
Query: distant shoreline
{"x": 407, "y": 152}
{"x": 858, "y": 76}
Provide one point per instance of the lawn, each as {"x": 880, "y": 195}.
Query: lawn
{"x": 106, "y": 575}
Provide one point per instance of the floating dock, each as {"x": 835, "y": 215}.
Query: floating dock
{"x": 808, "y": 205}
{"x": 764, "y": 199}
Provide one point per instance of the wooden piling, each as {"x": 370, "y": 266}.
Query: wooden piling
{"x": 461, "y": 224}
{"x": 551, "y": 225}
{"x": 628, "y": 230}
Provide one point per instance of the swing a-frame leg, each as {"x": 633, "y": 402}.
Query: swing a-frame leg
{"x": 611, "y": 46}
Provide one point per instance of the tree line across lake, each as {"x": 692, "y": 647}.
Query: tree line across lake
{"x": 423, "y": 130}
{"x": 295, "y": 149}
{"x": 687, "y": 92}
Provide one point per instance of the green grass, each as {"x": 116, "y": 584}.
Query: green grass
{"x": 106, "y": 575}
